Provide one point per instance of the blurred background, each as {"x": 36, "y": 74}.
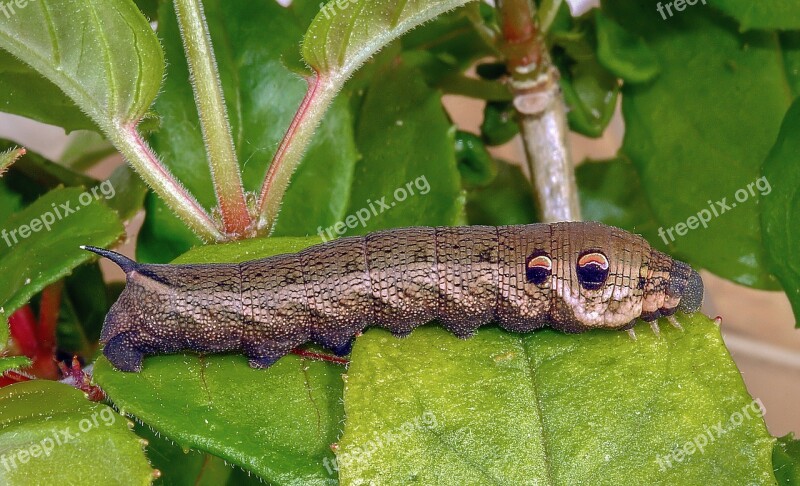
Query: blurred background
{"x": 758, "y": 326}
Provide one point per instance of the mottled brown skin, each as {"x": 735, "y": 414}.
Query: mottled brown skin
{"x": 463, "y": 277}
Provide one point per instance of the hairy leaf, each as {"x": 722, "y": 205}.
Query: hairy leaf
{"x": 25, "y": 92}
{"x": 8, "y": 157}
{"x": 45, "y": 173}
{"x": 551, "y": 408}
{"x": 102, "y": 54}
{"x": 347, "y": 33}
{"x": 13, "y": 363}
{"x": 50, "y": 430}
{"x": 181, "y": 467}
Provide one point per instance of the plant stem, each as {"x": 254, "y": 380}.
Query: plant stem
{"x": 541, "y": 110}
{"x": 130, "y": 144}
{"x": 214, "y": 122}
{"x": 290, "y": 152}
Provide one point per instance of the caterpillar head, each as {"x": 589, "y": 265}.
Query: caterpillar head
{"x": 603, "y": 277}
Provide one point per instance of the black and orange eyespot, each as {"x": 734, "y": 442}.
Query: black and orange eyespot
{"x": 592, "y": 270}
{"x": 538, "y": 268}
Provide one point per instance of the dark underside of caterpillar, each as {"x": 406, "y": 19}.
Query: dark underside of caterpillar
{"x": 570, "y": 276}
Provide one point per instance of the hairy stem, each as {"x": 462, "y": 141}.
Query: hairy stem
{"x": 214, "y": 122}
{"x": 290, "y": 152}
{"x": 9, "y": 157}
{"x": 130, "y": 144}
{"x": 541, "y": 110}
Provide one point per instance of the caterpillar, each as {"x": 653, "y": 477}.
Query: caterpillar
{"x": 570, "y": 276}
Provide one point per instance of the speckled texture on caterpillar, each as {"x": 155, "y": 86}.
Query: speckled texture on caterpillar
{"x": 570, "y": 276}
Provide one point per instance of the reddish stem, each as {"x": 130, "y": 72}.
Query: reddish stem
{"x": 49, "y": 308}
{"x": 22, "y": 324}
{"x": 274, "y": 174}
{"x": 320, "y": 356}
{"x": 523, "y": 44}
{"x": 35, "y": 340}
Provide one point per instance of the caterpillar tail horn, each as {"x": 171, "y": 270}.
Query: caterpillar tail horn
{"x": 126, "y": 264}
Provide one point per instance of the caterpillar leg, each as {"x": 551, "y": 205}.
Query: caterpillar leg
{"x": 655, "y": 328}
{"x": 674, "y": 322}
{"x": 264, "y": 356}
{"x": 344, "y": 349}
{"x": 263, "y": 362}
{"x": 123, "y": 354}
{"x": 631, "y": 333}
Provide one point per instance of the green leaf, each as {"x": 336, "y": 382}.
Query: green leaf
{"x": 124, "y": 192}
{"x": 102, "y": 54}
{"x": 551, "y": 408}
{"x": 499, "y": 123}
{"x": 399, "y": 115}
{"x": 622, "y": 53}
{"x": 507, "y": 200}
{"x": 84, "y": 304}
{"x": 25, "y": 92}
{"x": 184, "y": 468}
{"x": 590, "y": 90}
{"x": 278, "y": 423}
{"x": 13, "y": 363}
{"x": 10, "y": 202}
{"x": 790, "y": 43}
{"x": 251, "y": 42}
{"x": 85, "y": 149}
{"x": 786, "y": 460}
{"x": 689, "y": 151}
{"x": 772, "y": 15}
{"x": 30, "y": 260}
{"x": 610, "y": 191}
{"x": 49, "y": 430}
{"x": 780, "y": 210}
{"x": 44, "y": 173}
{"x": 475, "y": 163}
{"x": 455, "y": 38}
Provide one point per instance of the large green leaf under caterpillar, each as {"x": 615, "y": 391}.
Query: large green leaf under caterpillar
{"x": 549, "y": 408}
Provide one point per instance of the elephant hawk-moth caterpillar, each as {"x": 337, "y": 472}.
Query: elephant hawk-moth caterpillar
{"x": 570, "y": 276}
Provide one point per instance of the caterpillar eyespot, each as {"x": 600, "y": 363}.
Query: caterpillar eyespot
{"x": 592, "y": 270}
{"x": 539, "y": 268}
{"x": 570, "y": 276}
